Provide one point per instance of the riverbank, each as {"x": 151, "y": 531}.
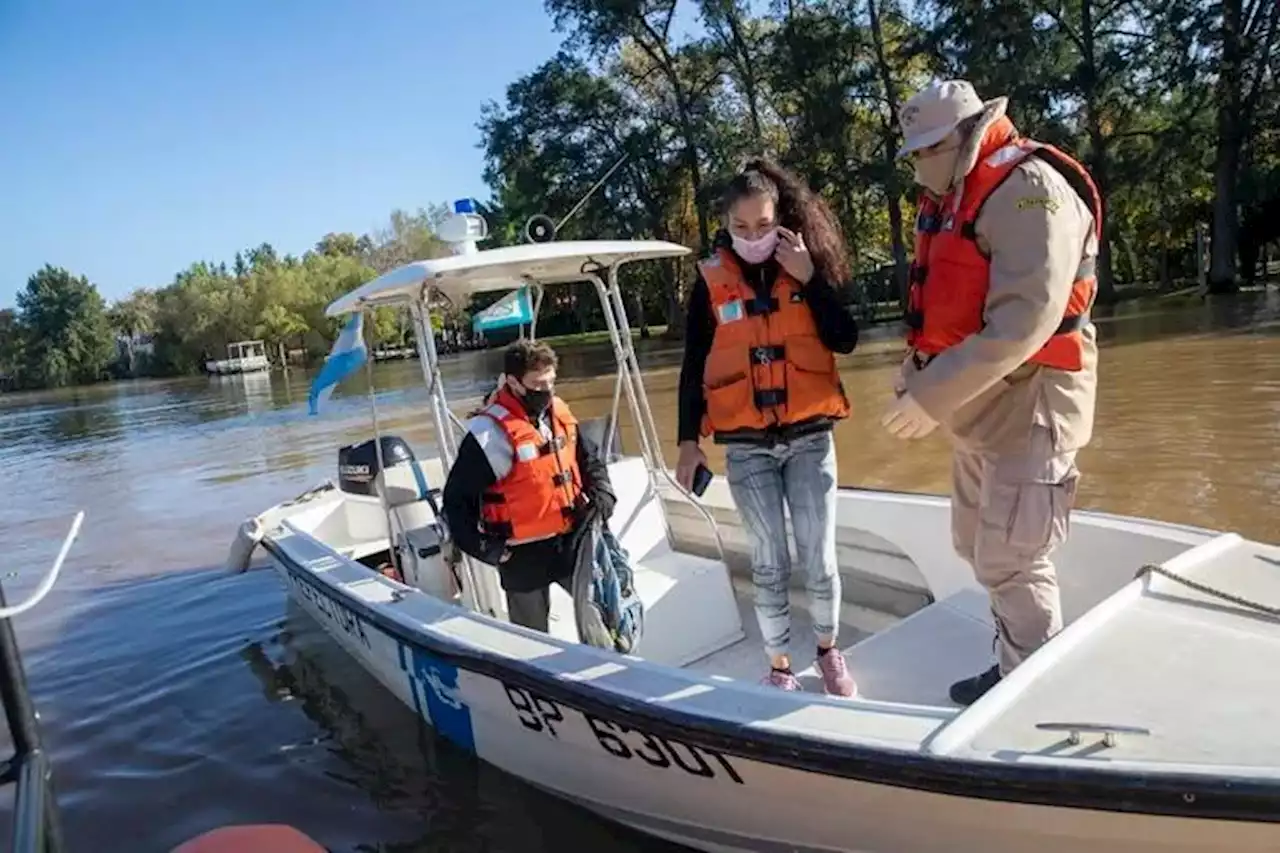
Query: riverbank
{"x": 885, "y": 324}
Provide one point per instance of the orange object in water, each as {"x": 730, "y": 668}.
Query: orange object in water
{"x": 254, "y": 838}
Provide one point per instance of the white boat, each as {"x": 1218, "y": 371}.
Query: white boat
{"x": 1145, "y": 725}
{"x": 242, "y": 357}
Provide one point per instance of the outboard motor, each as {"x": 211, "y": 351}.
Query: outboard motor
{"x": 358, "y": 463}
{"x": 418, "y": 532}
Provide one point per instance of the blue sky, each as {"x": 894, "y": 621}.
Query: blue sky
{"x": 138, "y": 136}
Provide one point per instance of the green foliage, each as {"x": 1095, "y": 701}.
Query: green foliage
{"x": 1173, "y": 105}
{"x": 1132, "y": 87}
{"x": 64, "y": 334}
{"x": 60, "y": 334}
{"x": 13, "y": 341}
{"x": 278, "y": 300}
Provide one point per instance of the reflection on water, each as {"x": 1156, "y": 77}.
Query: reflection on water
{"x": 162, "y": 683}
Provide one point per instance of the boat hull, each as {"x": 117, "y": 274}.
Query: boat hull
{"x": 687, "y": 790}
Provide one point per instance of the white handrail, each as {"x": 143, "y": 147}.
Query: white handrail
{"x": 51, "y": 577}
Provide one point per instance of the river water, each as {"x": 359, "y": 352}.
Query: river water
{"x": 176, "y": 698}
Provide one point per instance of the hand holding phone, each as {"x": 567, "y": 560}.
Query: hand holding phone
{"x": 691, "y": 458}
{"x": 701, "y": 479}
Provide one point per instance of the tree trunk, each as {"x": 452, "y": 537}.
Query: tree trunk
{"x": 658, "y": 53}
{"x": 1134, "y": 271}
{"x": 695, "y": 178}
{"x": 674, "y": 307}
{"x": 638, "y": 318}
{"x": 675, "y": 315}
{"x": 893, "y": 192}
{"x": 1101, "y": 165}
{"x": 1226, "y": 168}
{"x": 1163, "y": 273}
{"x": 745, "y": 67}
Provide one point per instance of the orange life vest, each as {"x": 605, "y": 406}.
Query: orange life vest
{"x": 536, "y": 499}
{"x": 767, "y": 366}
{"x": 950, "y": 275}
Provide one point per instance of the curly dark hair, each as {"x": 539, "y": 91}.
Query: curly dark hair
{"x": 525, "y": 355}
{"x": 799, "y": 209}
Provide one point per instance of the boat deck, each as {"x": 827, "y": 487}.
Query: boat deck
{"x": 911, "y": 661}
{"x": 1159, "y": 656}
{"x": 1152, "y": 653}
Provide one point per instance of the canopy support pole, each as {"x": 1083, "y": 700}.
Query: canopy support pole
{"x": 377, "y": 447}
{"x": 480, "y": 596}
{"x": 537, "y": 307}
{"x": 629, "y": 377}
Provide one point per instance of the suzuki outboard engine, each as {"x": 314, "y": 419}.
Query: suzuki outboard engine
{"x": 358, "y": 463}
{"x": 418, "y": 532}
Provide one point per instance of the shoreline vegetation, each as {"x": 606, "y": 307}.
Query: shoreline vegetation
{"x": 1174, "y": 108}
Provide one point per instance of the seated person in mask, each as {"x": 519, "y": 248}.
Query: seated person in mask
{"x": 525, "y": 485}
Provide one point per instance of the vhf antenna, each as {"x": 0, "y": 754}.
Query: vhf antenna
{"x": 543, "y": 229}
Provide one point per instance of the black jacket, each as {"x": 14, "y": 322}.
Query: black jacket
{"x": 833, "y": 313}
{"x": 536, "y": 564}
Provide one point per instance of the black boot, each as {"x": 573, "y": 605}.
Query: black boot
{"x": 969, "y": 690}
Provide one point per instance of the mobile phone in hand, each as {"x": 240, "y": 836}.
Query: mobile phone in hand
{"x": 701, "y": 479}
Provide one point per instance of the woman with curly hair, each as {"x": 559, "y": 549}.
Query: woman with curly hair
{"x": 759, "y": 377}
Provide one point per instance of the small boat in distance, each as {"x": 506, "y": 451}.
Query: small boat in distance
{"x": 242, "y": 357}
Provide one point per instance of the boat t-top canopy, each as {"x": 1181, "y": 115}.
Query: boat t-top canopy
{"x": 469, "y": 271}
{"x": 507, "y": 268}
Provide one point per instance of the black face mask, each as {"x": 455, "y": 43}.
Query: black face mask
{"x": 536, "y": 401}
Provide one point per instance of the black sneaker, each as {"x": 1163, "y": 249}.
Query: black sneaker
{"x": 969, "y": 690}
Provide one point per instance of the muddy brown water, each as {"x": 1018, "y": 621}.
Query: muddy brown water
{"x": 176, "y": 698}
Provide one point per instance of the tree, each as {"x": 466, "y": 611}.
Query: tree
{"x": 1172, "y": 104}
{"x": 560, "y": 131}
{"x": 1247, "y": 39}
{"x": 684, "y": 75}
{"x": 68, "y": 337}
{"x": 344, "y": 245}
{"x": 132, "y": 318}
{"x": 13, "y": 339}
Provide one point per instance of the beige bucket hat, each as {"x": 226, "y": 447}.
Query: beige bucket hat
{"x": 935, "y": 111}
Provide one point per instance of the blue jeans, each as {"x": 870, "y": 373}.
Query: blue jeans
{"x": 803, "y": 473}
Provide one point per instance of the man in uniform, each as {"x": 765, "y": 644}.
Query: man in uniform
{"x": 1002, "y": 352}
{"x": 525, "y": 484}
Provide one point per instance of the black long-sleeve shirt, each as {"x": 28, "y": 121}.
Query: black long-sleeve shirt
{"x": 532, "y": 565}
{"x": 833, "y": 314}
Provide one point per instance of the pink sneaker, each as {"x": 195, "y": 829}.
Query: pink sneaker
{"x": 781, "y": 680}
{"x": 835, "y": 674}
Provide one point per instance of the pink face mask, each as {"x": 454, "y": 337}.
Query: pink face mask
{"x": 756, "y": 251}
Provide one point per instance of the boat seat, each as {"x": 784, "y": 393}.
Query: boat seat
{"x": 411, "y": 501}
{"x": 404, "y": 482}
{"x": 916, "y": 660}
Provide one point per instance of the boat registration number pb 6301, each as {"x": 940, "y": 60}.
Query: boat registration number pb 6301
{"x": 538, "y": 713}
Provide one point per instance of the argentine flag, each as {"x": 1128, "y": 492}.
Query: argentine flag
{"x": 346, "y": 357}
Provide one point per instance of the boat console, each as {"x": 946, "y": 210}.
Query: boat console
{"x": 386, "y": 469}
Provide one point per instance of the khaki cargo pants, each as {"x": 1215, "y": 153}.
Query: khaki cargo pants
{"x": 1008, "y": 513}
